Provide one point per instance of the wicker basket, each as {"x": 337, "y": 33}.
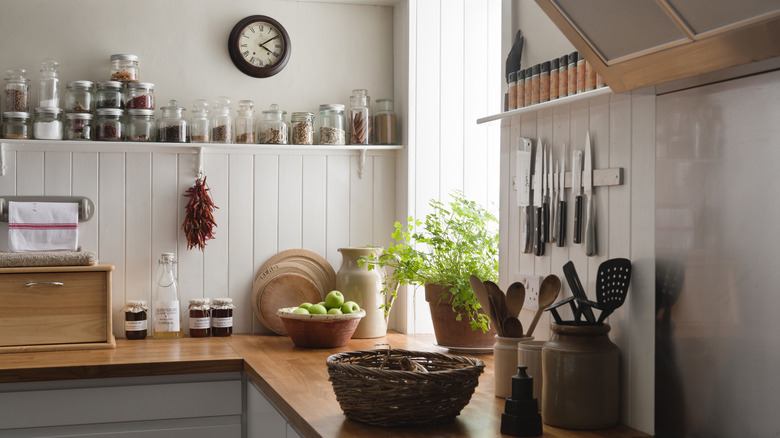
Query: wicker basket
{"x": 389, "y": 388}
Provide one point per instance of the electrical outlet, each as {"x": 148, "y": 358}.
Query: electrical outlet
{"x": 531, "y": 283}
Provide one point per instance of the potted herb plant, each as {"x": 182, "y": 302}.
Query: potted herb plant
{"x": 454, "y": 241}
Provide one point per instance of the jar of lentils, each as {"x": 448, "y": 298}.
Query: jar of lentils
{"x": 109, "y": 126}
{"x": 124, "y": 67}
{"x": 16, "y": 124}
{"x": 78, "y": 96}
{"x": 17, "y": 90}
{"x": 108, "y": 95}
{"x": 139, "y": 95}
{"x": 78, "y": 126}
{"x": 140, "y": 125}
{"x": 302, "y": 127}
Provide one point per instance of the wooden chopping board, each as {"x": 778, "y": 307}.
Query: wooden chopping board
{"x": 323, "y": 272}
{"x": 285, "y": 289}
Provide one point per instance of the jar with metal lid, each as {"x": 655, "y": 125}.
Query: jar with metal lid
{"x": 200, "y": 125}
{"x": 360, "y": 117}
{"x": 200, "y": 317}
{"x": 49, "y": 84}
{"x": 385, "y": 124}
{"x": 109, "y": 95}
{"x": 48, "y": 124}
{"x": 221, "y": 123}
{"x": 222, "y": 317}
{"x": 140, "y": 125}
{"x": 273, "y": 128}
{"x": 124, "y": 67}
{"x": 78, "y": 126}
{"x": 136, "y": 319}
{"x": 172, "y": 127}
{"x": 139, "y": 95}
{"x": 302, "y": 127}
{"x": 109, "y": 126}
{"x": 331, "y": 124}
{"x": 78, "y": 96}
{"x": 246, "y": 123}
{"x": 17, "y": 90}
{"x": 16, "y": 124}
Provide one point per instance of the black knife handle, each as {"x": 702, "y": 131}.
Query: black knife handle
{"x": 538, "y": 237}
{"x": 578, "y": 219}
{"x": 562, "y": 223}
{"x": 546, "y": 221}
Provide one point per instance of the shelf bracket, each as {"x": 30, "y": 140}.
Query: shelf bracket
{"x": 200, "y": 164}
{"x": 362, "y": 164}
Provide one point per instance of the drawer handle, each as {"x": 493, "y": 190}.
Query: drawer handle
{"x": 45, "y": 283}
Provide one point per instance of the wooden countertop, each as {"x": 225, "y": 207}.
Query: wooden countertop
{"x": 295, "y": 379}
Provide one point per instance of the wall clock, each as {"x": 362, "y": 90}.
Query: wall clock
{"x": 259, "y": 46}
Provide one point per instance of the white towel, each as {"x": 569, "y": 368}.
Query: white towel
{"x": 43, "y": 226}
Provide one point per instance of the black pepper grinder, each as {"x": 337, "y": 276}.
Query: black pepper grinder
{"x": 521, "y": 412}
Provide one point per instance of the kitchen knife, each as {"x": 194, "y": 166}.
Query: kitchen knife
{"x": 555, "y": 211}
{"x": 551, "y": 194}
{"x": 524, "y": 195}
{"x": 576, "y": 190}
{"x": 538, "y": 223}
{"x": 545, "y": 196}
{"x": 590, "y": 218}
{"x": 562, "y": 199}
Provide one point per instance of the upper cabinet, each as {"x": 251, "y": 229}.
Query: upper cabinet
{"x": 639, "y": 43}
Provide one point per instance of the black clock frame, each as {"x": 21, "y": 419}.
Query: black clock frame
{"x": 241, "y": 63}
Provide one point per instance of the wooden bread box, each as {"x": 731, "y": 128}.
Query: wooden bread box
{"x": 55, "y": 308}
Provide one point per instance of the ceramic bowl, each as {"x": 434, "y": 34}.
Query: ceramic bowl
{"x": 319, "y": 331}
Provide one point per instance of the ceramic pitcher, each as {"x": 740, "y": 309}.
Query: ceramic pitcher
{"x": 363, "y": 286}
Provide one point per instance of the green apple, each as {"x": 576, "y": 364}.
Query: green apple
{"x": 322, "y": 303}
{"x": 305, "y": 305}
{"x": 318, "y": 309}
{"x": 334, "y": 300}
{"x": 301, "y": 310}
{"x": 350, "y": 307}
{"x": 334, "y": 311}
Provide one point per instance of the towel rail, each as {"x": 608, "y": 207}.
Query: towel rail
{"x": 86, "y": 207}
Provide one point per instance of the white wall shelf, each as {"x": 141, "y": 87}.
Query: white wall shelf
{"x": 553, "y": 103}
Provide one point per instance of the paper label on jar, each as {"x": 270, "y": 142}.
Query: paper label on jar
{"x": 166, "y": 318}
{"x": 200, "y": 323}
{"x": 134, "y": 326}
{"x": 222, "y": 322}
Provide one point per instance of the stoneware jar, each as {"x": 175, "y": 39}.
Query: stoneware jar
{"x": 505, "y": 361}
{"x": 363, "y": 286}
{"x": 530, "y": 355}
{"x": 581, "y": 378}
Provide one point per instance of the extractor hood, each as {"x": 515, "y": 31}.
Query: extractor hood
{"x": 639, "y": 43}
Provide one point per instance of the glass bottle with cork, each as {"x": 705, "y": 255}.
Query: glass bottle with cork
{"x": 166, "y": 305}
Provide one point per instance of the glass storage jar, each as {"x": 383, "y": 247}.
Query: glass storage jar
{"x": 200, "y": 317}
{"x": 48, "y": 124}
{"x": 222, "y": 317}
{"x": 139, "y": 95}
{"x": 273, "y": 128}
{"x": 136, "y": 319}
{"x": 109, "y": 126}
{"x": 172, "y": 127}
{"x": 221, "y": 123}
{"x": 78, "y": 96}
{"x": 108, "y": 95}
{"x": 331, "y": 124}
{"x": 140, "y": 125}
{"x": 16, "y": 124}
{"x": 246, "y": 123}
{"x": 17, "y": 90}
{"x": 124, "y": 67}
{"x": 359, "y": 117}
{"x": 49, "y": 84}
{"x": 78, "y": 126}
{"x": 385, "y": 123}
{"x": 302, "y": 127}
{"x": 200, "y": 126}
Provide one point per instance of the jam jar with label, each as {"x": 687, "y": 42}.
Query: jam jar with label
{"x": 222, "y": 317}
{"x": 200, "y": 317}
{"x": 136, "y": 319}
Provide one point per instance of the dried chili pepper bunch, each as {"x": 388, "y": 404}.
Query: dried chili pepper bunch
{"x": 199, "y": 221}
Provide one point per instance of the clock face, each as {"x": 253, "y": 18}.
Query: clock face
{"x": 259, "y": 46}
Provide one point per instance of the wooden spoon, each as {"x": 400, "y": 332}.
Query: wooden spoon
{"x": 499, "y": 299}
{"x": 515, "y": 297}
{"x": 480, "y": 292}
{"x": 548, "y": 292}
{"x": 513, "y": 328}
{"x": 498, "y": 323}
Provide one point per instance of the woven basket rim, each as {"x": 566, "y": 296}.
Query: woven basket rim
{"x": 472, "y": 364}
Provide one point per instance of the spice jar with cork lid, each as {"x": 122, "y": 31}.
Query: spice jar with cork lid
{"x": 385, "y": 123}
{"x": 172, "y": 127}
{"x": 136, "y": 319}
{"x": 17, "y": 90}
{"x": 124, "y": 67}
{"x": 273, "y": 128}
{"x": 359, "y": 117}
{"x": 246, "y": 123}
{"x": 222, "y": 317}
{"x": 200, "y": 317}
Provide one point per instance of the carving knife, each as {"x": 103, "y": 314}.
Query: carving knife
{"x": 551, "y": 172}
{"x": 576, "y": 190}
{"x": 561, "y": 212}
{"x": 538, "y": 216}
{"x": 590, "y": 216}
{"x": 556, "y": 214}
{"x": 524, "y": 175}
{"x": 545, "y": 196}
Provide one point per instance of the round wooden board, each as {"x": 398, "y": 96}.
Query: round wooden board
{"x": 287, "y": 289}
{"x": 325, "y": 275}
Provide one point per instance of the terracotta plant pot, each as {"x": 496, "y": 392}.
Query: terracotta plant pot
{"x": 449, "y": 331}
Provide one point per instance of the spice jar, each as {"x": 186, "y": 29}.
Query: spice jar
{"x": 140, "y": 125}
{"x": 136, "y": 319}
{"x": 544, "y": 82}
{"x": 200, "y": 126}
{"x": 17, "y": 90}
{"x": 16, "y": 124}
{"x": 563, "y": 76}
{"x": 49, "y": 84}
{"x": 385, "y": 125}
{"x": 246, "y": 123}
{"x": 528, "y": 92}
{"x": 572, "y": 73}
{"x": 200, "y": 317}
{"x": 48, "y": 124}
{"x": 78, "y": 96}
{"x": 78, "y": 126}
{"x": 332, "y": 126}
{"x": 302, "y": 128}
{"x": 222, "y": 317}
{"x": 520, "y": 88}
{"x": 221, "y": 124}
{"x": 139, "y": 95}
{"x": 109, "y": 95}
{"x": 554, "y": 78}
{"x": 590, "y": 77}
{"x": 360, "y": 117}
{"x": 171, "y": 127}
{"x": 273, "y": 128}
{"x": 512, "y": 87}
{"x": 109, "y": 126}
{"x": 535, "y": 83}
{"x": 580, "y": 73}
{"x": 124, "y": 67}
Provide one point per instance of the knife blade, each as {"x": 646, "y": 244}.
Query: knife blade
{"x": 524, "y": 176}
{"x": 576, "y": 190}
{"x": 555, "y": 211}
{"x": 562, "y": 198}
{"x": 545, "y": 196}
{"x": 538, "y": 192}
{"x": 587, "y": 180}
{"x": 550, "y": 175}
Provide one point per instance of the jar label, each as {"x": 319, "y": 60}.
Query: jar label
{"x": 134, "y": 326}
{"x": 200, "y": 323}
{"x": 166, "y": 318}
{"x": 222, "y": 322}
